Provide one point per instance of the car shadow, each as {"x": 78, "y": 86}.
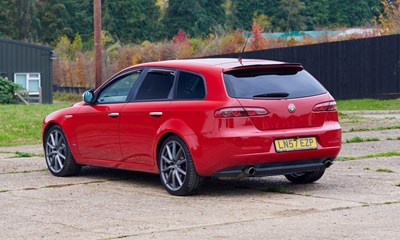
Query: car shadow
{"x": 211, "y": 186}
{"x": 109, "y": 174}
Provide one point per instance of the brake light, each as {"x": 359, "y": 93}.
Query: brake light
{"x": 325, "y": 106}
{"x": 240, "y": 112}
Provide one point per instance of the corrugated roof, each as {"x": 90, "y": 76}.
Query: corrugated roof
{"x": 25, "y": 44}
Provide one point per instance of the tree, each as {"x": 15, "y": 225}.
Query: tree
{"x": 196, "y": 17}
{"x": 259, "y": 42}
{"x": 27, "y": 21}
{"x": 54, "y": 21}
{"x": 240, "y": 14}
{"x": 7, "y": 18}
{"x": 80, "y": 18}
{"x": 291, "y": 15}
{"x": 317, "y": 13}
{"x": 263, "y": 21}
{"x": 132, "y": 20}
{"x": 388, "y": 20}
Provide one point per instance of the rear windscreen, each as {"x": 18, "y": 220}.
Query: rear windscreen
{"x": 275, "y": 84}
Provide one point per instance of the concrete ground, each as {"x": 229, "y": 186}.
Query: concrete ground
{"x": 357, "y": 199}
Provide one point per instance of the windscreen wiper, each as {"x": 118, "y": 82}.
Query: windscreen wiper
{"x": 272, "y": 95}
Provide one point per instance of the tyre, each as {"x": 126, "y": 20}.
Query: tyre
{"x": 306, "y": 177}
{"x": 177, "y": 171}
{"x": 59, "y": 159}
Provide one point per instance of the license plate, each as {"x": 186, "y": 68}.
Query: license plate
{"x": 295, "y": 144}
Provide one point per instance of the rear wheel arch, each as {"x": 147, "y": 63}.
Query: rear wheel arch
{"x": 179, "y": 128}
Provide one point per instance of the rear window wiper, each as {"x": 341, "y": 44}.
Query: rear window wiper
{"x": 272, "y": 95}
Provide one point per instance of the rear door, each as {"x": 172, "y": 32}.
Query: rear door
{"x": 288, "y": 93}
{"x": 142, "y": 117}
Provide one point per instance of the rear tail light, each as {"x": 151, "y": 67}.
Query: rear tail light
{"x": 325, "y": 106}
{"x": 240, "y": 112}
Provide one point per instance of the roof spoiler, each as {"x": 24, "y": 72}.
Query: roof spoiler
{"x": 291, "y": 67}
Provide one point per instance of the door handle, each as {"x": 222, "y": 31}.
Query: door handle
{"x": 113, "y": 114}
{"x": 156, "y": 114}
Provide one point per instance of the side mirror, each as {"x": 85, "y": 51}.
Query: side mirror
{"x": 88, "y": 96}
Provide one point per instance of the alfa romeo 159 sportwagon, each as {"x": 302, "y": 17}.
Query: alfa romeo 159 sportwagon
{"x": 191, "y": 119}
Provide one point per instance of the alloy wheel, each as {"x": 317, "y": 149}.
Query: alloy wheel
{"x": 56, "y": 151}
{"x": 173, "y": 165}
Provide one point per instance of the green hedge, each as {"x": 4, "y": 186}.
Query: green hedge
{"x": 7, "y": 89}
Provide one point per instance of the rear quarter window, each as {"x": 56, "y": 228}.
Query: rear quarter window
{"x": 250, "y": 83}
{"x": 190, "y": 87}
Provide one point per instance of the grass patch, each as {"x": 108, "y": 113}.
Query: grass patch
{"x": 349, "y": 118}
{"x": 23, "y": 154}
{"x": 385, "y": 154}
{"x": 372, "y": 129}
{"x": 367, "y": 169}
{"x": 21, "y": 124}
{"x": 398, "y": 185}
{"x": 368, "y": 104}
{"x": 391, "y": 139}
{"x": 358, "y": 139}
{"x": 67, "y": 97}
{"x": 3, "y": 190}
{"x": 384, "y": 170}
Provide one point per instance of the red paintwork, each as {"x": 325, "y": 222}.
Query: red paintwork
{"x": 130, "y": 141}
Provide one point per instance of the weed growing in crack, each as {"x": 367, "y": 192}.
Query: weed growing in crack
{"x": 384, "y": 170}
{"x": 24, "y": 154}
{"x": 358, "y": 139}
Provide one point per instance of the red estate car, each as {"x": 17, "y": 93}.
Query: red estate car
{"x": 190, "y": 119}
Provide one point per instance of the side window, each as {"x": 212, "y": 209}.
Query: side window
{"x": 190, "y": 86}
{"x": 156, "y": 85}
{"x": 118, "y": 91}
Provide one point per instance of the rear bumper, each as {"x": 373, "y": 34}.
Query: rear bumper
{"x": 278, "y": 168}
{"x": 228, "y": 151}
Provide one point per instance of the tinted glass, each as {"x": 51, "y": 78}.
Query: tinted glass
{"x": 156, "y": 85}
{"x": 284, "y": 84}
{"x": 118, "y": 91}
{"x": 190, "y": 86}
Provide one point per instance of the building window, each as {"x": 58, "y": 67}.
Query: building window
{"x": 28, "y": 81}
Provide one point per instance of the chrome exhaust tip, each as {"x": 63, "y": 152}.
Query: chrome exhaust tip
{"x": 249, "y": 171}
{"x": 328, "y": 163}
